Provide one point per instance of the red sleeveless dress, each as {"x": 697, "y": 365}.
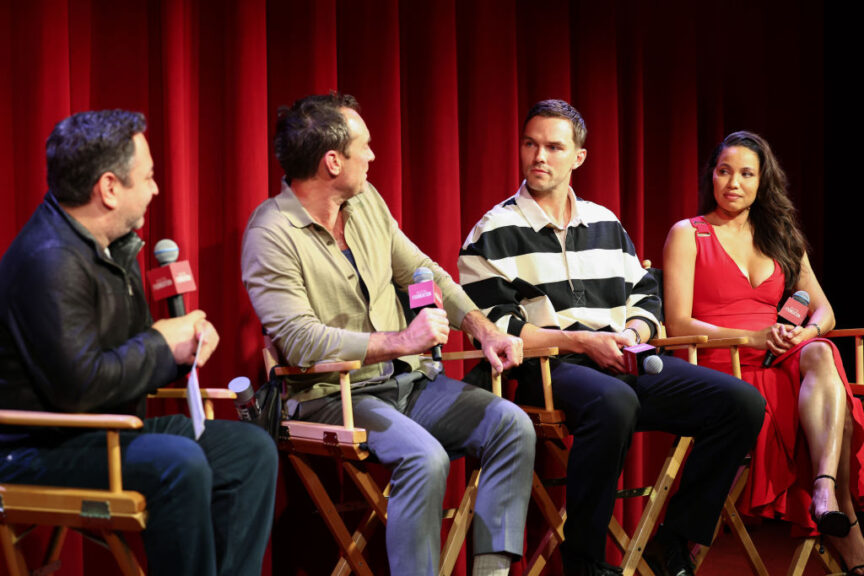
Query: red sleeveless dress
{"x": 781, "y": 476}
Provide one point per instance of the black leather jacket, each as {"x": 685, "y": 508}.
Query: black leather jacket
{"x": 75, "y": 328}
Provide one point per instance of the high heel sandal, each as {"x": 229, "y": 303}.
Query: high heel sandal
{"x": 834, "y": 522}
{"x": 852, "y": 571}
{"x": 846, "y": 571}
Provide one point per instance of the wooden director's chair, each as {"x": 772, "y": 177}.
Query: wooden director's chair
{"x": 550, "y": 512}
{"x": 552, "y": 433}
{"x": 811, "y": 546}
{"x": 347, "y": 445}
{"x": 632, "y": 561}
{"x": 729, "y": 515}
{"x": 808, "y": 546}
{"x": 102, "y": 514}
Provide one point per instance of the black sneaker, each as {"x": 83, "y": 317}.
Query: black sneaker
{"x": 668, "y": 555}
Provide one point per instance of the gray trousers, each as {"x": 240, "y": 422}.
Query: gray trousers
{"x": 413, "y": 429}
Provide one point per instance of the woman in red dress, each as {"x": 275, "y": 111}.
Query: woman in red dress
{"x": 725, "y": 273}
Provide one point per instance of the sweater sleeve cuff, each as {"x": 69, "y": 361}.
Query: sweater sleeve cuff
{"x": 457, "y": 306}
{"x": 514, "y": 327}
{"x": 651, "y": 322}
{"x": 354, "y": 345}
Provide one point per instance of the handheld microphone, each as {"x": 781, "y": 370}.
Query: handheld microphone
{"x": 424, "y": 293}
{"x": 794, "y": 312}
{"x": 246, "y": 403}
{"x": 172, "y": 279}
{"x": 642, "y": 359}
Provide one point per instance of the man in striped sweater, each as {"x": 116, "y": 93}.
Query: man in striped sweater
{"x": 560, "y": 271}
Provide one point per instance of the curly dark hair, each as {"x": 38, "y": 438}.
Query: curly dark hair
{"x": 84, "y": 146}
{"x": 309, "y": 129}
{"x": 560, "y": 109}
{"x": 773, "y": 218}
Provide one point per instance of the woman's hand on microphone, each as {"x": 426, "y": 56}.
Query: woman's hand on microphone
{"x": 791, "y": 335}
{"x": 779, "y": 338}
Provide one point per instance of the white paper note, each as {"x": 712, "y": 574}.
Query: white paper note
{"x": 193, "y": 395}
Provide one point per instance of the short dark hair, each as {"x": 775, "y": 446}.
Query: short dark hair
{"x": 84, "y": 146}
{"x": 310, "y": 128}
{"x": 560, "y": 109}
{"x": 773, "y": 218}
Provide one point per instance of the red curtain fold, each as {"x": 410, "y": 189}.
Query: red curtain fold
{"x": 488, "y": 106}
{"x": 369, "y": 69}
{"x": 443, "y": 86}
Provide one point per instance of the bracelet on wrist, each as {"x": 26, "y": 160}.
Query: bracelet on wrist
{"x": 818, "y": 329}
{"x": 635, "y": 333}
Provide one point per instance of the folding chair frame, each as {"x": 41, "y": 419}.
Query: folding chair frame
{"x": 347, "y": 444}
{"x": 102, "y": 515}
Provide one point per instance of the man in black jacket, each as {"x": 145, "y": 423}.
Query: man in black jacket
{"x": 76, "y": 335}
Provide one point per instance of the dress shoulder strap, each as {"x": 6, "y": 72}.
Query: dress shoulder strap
{"x": 703, "y": 229}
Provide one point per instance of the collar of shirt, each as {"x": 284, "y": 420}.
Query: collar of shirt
{"x": 535, "y": 215}
{"x": 293, "y": 209}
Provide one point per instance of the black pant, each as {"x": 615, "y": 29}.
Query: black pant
{"x": 210, "y": 502}
{"x": 722, "y": 414}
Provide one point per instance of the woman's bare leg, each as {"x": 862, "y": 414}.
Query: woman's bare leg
{"x": 850, "y": 548}
{"x": 827, "y": 425}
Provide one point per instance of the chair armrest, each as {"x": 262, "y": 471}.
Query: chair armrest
{"x": 111, "y": 423}
{"x": 343, "y": 368}
{"x": 323, "y": 367}
{"x": 207, "y": 395}
{"x": 478, "y": 354}
{"x": 64, "y": 420}
{"x": 688, "y": 343}
{"x": 857, "y": 387}
{"x": 732, "y": 344}
{"x": 725, "y": 342}
{"x": 180, "y": 393}
{"x": 542, "y": 353}
{"x": 842, "y": 332}
{"x": 678, "y": 341}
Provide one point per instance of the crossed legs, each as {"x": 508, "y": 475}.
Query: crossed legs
{"x": 827, "y": 424}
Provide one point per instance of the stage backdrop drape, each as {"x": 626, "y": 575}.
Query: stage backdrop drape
{"x": 443, "y": 87}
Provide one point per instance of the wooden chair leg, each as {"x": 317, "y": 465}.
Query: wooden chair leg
{"x": 459, "y": 528}
{"x": 828, "y": 561}
{"x": 55, "y": 545}
{"x": 802, "y": 554}
{"x": 122, "y": 554}
{"x": 656, "y": 500}
{"x": 800, "y": 557}
{"x": 368, "y": 489}
{"x": 538, "y": 561}
{"x": 361, "y": 536}
{"x": 347, "y": 546}
{"x": 377, "y": 513}
{"x": 15, "y": 564}
{"x": 554, "y": 519}
{"x": 730, "y": 514}
{"x": 622, "y": 540}
{"x": 732, "y": 518}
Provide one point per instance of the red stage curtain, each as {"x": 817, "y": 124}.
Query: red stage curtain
{"x": 443, "y": 86}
